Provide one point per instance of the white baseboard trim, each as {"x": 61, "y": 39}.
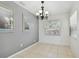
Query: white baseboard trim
{"x": 54, "y": 43}
{"x": 22, "y": 50}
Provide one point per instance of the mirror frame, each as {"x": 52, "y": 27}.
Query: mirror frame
{"x": 12, "y": 12}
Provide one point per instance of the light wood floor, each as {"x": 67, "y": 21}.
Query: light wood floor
{"x": 43, "y": 50}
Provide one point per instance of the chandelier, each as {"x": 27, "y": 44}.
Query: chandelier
{"x": 42, "y": 13}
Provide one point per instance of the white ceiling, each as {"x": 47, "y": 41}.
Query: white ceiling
{"x": 53, "y": 7}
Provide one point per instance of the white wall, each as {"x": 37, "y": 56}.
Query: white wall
{"x": 74, "y": 42}
{"x": 63, "y": 39}
{"x": 10, "y": 42}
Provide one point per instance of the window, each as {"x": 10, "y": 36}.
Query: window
{"x": 73, "y": 20}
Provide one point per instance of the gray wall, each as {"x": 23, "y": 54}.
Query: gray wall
{"x": 10, "y": 42}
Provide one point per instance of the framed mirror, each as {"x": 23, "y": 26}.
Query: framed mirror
{"x": 52, "y": 27}
{"x": 25, "y": 23}
{"x": 6, "y": 19}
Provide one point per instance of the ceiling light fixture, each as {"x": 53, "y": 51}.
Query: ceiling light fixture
{"x": 42, "y": 13}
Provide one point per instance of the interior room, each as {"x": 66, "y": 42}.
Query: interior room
{"x": 39, "y": 29}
